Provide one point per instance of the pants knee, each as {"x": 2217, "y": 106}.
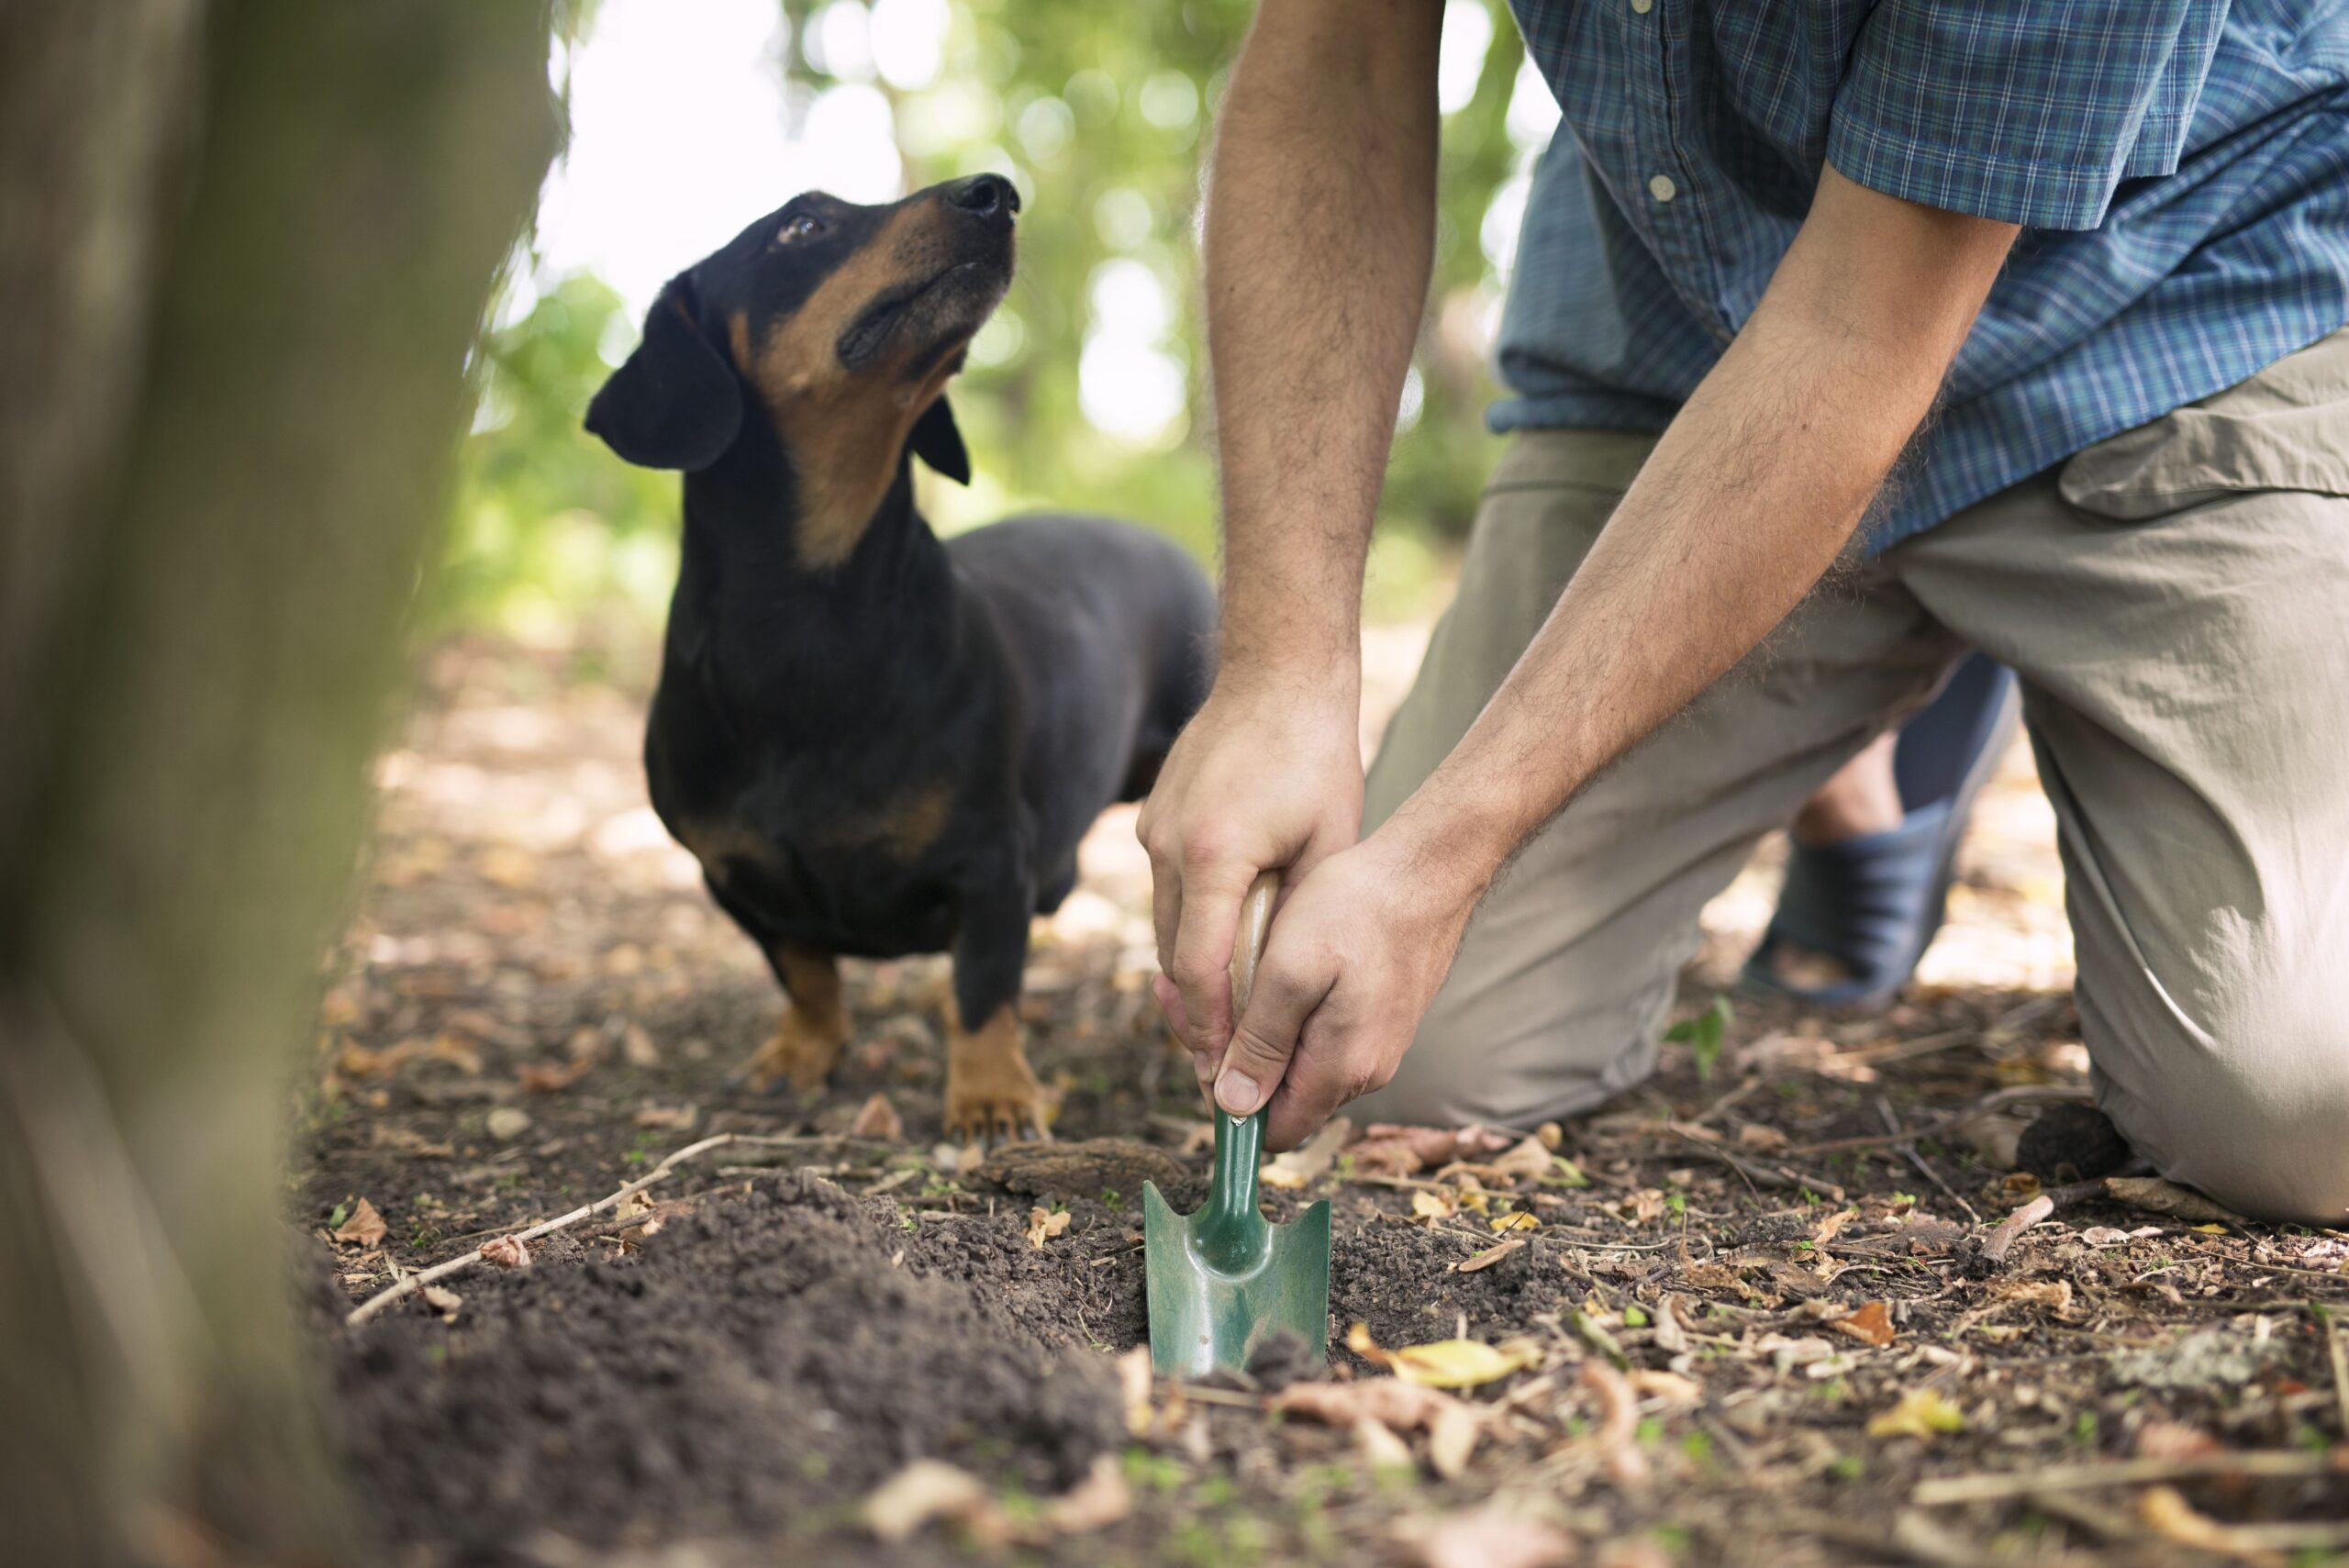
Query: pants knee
{"x": 2266, "y": 1129}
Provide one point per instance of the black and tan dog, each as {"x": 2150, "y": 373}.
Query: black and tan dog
{"x": 878, "y": 744}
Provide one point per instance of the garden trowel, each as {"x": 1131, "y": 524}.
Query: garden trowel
{"x": 1226, "y": 1279}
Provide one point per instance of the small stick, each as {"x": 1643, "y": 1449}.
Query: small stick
{"x": 411, "y": 1284}
{"x": 2021, "y": 1094}
{"x": 2340, "y": 1366}
{"x": 2002, "y": 1236}
{"x": 2277, "y": 1464}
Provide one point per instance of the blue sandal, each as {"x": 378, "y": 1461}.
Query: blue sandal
{"x": 1873, "y": 905}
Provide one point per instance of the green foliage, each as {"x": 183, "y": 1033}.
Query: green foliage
{"x": 1702, "y": 1035}
{"x": 545, "y": 519}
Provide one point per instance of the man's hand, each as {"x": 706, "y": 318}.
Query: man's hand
{"x": 1252, "y": 785}
{"x": 1350, "y": 966}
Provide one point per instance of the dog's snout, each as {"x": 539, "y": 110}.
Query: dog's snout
{"x": 983, "y": 196}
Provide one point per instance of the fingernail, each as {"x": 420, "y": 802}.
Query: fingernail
{"x": 1236, "y": 1091}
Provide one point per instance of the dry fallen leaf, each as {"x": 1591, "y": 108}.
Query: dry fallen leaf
{"x": 2054, "y": 1296}
{"x": 1870, "y": 1324}
{"x": 2167, "y": 1513}
{"x": 1451, "y": 1439}
{"x": 1761, "y": 1139}
{"x": 2174, "y": 1440}
{"x": 1530, "y": 1158}
{"x": 1438, "y": 1145}
{"x": 365, "y": 1226}
{"x": 639, "y": 1208}
{"x": 1668, "y": 1386}
{"x": 442, "y": 1300}
{"x": 1670, "y": 1337}
{"x": 878, "y": 1118}
{"x": 636, "y": 1047}
{"x": 1445, "y": 1364}
{"x": 1491, "y": 1255}
{"x": 1923, "y": 1413}
{"x": 1486, "y": 1538}
{"x": 1133, "y": 1383}
{"x": 1307, "y": 1160}
{"x": 1043, "y": 1224}
{"x": 925, "y": 1490}
{"x": 547, "y": 1077}
{"x": 506, "y": 1123}
{"x": 1520, "y": 1219}
{"x": 1380, "y": 1448}
{"x": 506, "y": 1252}
{"x": 1616, "y": 1434}
{"x": 1426, "y": 1204}
{"x": 1406, "y": 1406}
{"x": 2106, "y": 1236}
{"x": 1099, "y": 1501}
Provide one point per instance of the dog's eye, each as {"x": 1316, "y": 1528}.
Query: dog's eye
{"x": 799, "y": 225}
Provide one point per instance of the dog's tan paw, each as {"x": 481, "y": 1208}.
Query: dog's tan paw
{"x": 802, "y": 1052}
{"x": 992, "y": 1095}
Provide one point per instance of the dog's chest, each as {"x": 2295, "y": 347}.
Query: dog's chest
{"x": 853, "y": 875}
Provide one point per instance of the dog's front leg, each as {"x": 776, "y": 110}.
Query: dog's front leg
{"x": 991, "y": 1093}
{"x": 808, "y": 1039}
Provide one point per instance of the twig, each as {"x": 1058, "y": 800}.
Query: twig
{"x": 413, "y": 1283}
{"x": 2340, "y": 1366}
{"x": 2020, "y": 1094}
{"x": 1892, "y": 1120}
{"x": 2274, "y": 1464}
{"x": 1771, "y": 1176}
{"x": 2002, "y": 1236}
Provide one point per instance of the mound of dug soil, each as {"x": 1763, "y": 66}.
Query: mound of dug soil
{"x": 760, "y": 1360}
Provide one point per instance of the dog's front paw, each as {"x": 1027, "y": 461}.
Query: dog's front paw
{"x": 992, "y": 1095}
{"x": 802, "y": 1052}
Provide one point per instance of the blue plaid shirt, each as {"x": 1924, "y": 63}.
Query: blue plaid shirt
{"x": 2180, "y": 168}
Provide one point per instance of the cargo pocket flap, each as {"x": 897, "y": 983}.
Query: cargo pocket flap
{"x": 2285, "y": 428}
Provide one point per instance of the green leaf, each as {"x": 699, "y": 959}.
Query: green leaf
{"x": 1703, "y": 1036}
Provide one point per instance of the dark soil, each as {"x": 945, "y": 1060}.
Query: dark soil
{"x": 537, "y": 1004}
{"x": 764, "y": 1356}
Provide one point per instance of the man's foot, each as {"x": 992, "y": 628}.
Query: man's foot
{"x": 1868, "y": 874}
{"x": 2072, "y": 1143}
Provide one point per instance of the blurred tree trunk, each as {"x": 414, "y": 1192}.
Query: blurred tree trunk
{"x": 244, "y": 247}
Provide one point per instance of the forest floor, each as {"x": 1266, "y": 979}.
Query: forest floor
{"x": 1759, "y": 1311}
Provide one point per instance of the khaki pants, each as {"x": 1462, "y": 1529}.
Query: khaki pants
{"x": 2175, "y": 601}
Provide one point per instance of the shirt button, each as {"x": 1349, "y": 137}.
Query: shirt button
{"x": 1661, "y": 187}
{"x": 1641, "y": 7}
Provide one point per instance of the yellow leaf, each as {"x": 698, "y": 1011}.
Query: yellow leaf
{"x": 1922, "y": 1413}
{"x": 1309, "y": 1159}
{"x": 1431, "y": 1205}
{"x": 1043, "y": 1224}
{"x": 1520, "y": 1220}
{"x": 1445, "y": 1364}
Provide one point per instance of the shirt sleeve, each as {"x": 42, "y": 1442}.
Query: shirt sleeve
{"x": 2028, "y": 113}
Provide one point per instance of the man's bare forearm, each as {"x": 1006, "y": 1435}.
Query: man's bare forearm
{"x": 1319, "y": 232}
{"x": 1749, "y": 497}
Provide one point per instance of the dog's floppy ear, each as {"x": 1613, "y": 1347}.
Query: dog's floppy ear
{"x": 675, "y": 404}
{"x": 938, "y": 442}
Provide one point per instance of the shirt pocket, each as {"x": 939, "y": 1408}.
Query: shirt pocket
{"x": 2285, "y": 428}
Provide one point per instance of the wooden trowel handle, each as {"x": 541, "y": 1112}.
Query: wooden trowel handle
{"x": 1256, "y": 920}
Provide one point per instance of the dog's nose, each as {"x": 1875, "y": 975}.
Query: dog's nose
{"x": 983, "y": 196}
